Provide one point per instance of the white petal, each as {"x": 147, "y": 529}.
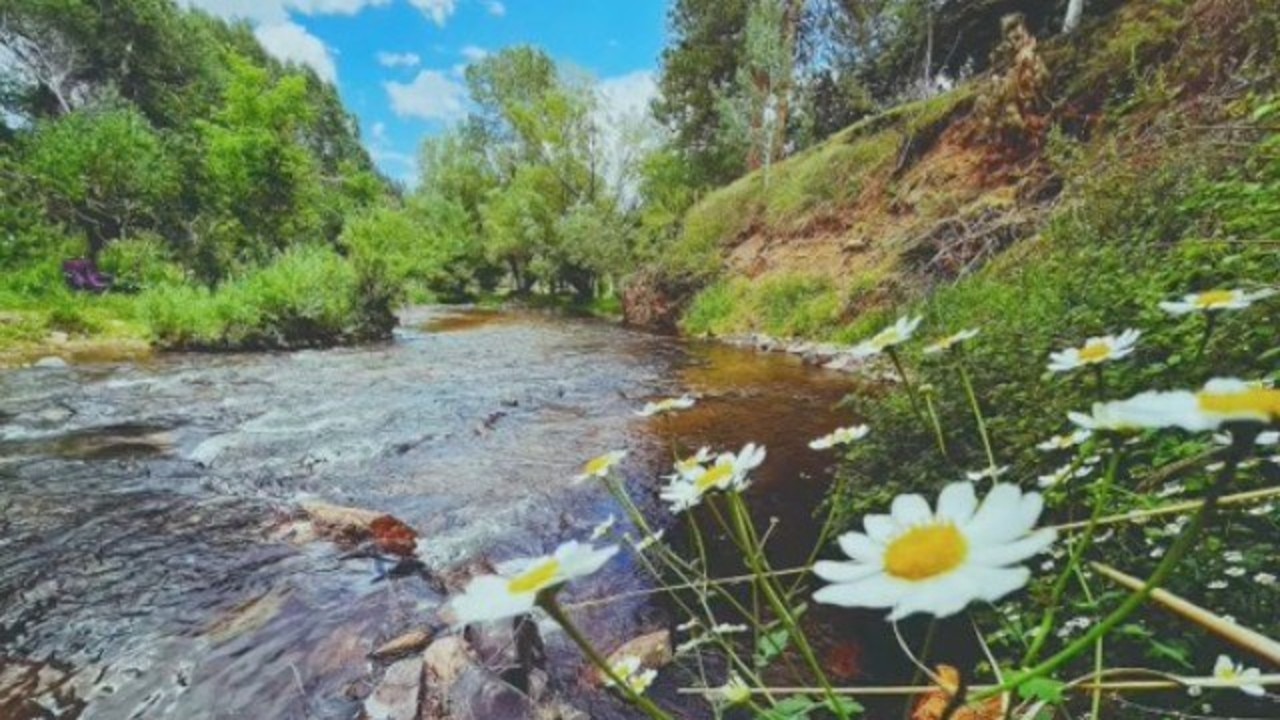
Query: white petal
{"x": 862, "y": 548}
{"x": 910, "y": 510}
{"x": 957, "y": 503}
{"x": 995, "y": 583}
{"x": 997, "y": 508}
{"x": 843, "y": 572}
{"x": 1012, "y": 552}
{"x": 942, "y": 597}
{"x": 877, "y": 591}
{"x": 880, "y": 528}
{"x": 487, "y": 598}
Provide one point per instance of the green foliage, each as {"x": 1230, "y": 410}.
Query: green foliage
{"x": 141, "y": 262}
{"x": 308, "y": 296}
{"x": 100, "y": 172}
{"x": 780, "y": 306}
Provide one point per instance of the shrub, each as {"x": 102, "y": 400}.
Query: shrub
{"x": 140, "y": 262}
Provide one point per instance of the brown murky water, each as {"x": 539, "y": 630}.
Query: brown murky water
{"x": 137, "y": 577}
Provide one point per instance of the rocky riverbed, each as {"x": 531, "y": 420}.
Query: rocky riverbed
{"x": 161, "y": 555}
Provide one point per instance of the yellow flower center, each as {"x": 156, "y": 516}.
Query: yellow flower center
{"x": 599, "y": 466}
{"x": 1214, "y": 298}
{"x": 1260, "y": 403}
{"x": 925, "y": 552}
{"x": 1095, "y": 352}
{"x": 714, "y": 475}
{"x": 535, "y": 578}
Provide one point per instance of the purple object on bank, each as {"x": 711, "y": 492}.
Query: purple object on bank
{"x": 82, "y": 274}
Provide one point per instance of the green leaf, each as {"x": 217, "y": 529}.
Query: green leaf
{"x": 1046, "y": 689}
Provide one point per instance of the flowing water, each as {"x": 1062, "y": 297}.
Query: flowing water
{"x": 139, "y": 576}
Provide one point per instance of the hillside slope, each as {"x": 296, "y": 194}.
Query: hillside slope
{"x": 930, "y": 191}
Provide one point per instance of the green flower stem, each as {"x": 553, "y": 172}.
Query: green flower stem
{"x": 1073, "y": 561}
{"x": 1210, "y": 322}
{"x": 759, "y": 567}
{"x": 547, "y": 601}
{"x": 906, "y": 382}
{"x": 1179, "y": 549}
{"x": 977, "y": 410}
{"x": 937, "y": 425}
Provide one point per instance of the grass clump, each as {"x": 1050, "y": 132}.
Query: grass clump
{"x": 780, "y": 306}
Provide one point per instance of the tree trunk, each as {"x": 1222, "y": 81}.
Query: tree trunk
{"x": 1075, "y": 10}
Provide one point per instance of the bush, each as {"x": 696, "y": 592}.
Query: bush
{"x": 308, "y": 297}
{"x": 140, "y": 262}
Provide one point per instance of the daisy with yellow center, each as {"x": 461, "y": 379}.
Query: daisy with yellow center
{"x": 840, "y": 436}
{"x": 950, "y": 341}
{"x": 728, "y": 472}
{"x": 895, "y": 334}
{"x": 920, "y": 560}
{"x": 1066, "y": 441}
{"x": 631, "y": 671}
{"x": 659, "y": 407}
{"x": 735, "y": 691}
{"x": 600, "y": 467}
{"x": 1222, "y": 400}
{"x": 686, "y": 467}
{"x": 1215, "y": 300}
{"x": 1225, "y": 670}
{"x": 1095, "y": 350}
{"x": 514, "y": 589}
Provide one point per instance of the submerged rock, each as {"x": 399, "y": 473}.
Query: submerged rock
{"x": 51, "y": 361}
{"x": 410, "y": 642}
{"x": 399, "y": 695}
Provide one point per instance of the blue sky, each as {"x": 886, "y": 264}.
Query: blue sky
{"x": 398, "y": 63}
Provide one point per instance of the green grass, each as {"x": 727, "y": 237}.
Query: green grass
{"x": 781, "y": 306}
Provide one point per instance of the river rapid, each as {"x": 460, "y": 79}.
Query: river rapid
{"x": 140, "y": 571}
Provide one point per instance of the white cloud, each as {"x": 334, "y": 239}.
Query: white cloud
{"x": 438, "y": 10}
{"x": 432, "y": 95}
{"x": 496, "y": 8}
{"x": 379, "y": 132}
{"x": 290, "y": 42}
{"x": 474, "y": 53}
{"x": 406, "y": 59}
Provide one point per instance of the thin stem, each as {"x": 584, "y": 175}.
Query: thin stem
{"x": 547, "y": 601}
{"x": 1077, "y": 551}
{"x": 937, "y": 425}
{"x": 977, "y": 412}
{"x": 906, "y": 381}
{"x": 781, "y": 609}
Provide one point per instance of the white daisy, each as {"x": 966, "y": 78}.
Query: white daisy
{"x": 987, "y": 473}
{"x": 919, "y": 560}
{"x": 1215, "y": 300}
{"x": 1065, "y": 441}
{"x": 600, "y": 467}
{"x": 1270, "y": 437}
{"x": 514, "y": 592}
{"x": 728, "y": 472}
{"x": 1233, "y": 556}
{"x": 897, "y": 333}
{"x": 1095, "y": 350}
{"x": 840, "y": 436}
{"x": 1217, "y": 584}
{"x": 734, "y": 691}
{"x": 1063, "y": 474}
{"x": 688, "y": 466}
{"x": 1221, "y": 400}
{"x": 637, "y": 677}
{"x": 603, "y": 528}
{"x": 1234, "y": 571}
{"x": 950, "y": 341}
{"x": 684, "y": 402}
{"x": 1237, "y": 674}
{"x": 1265, "y": 578}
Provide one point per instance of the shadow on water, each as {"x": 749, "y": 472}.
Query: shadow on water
{"x": 140, "y": 573}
